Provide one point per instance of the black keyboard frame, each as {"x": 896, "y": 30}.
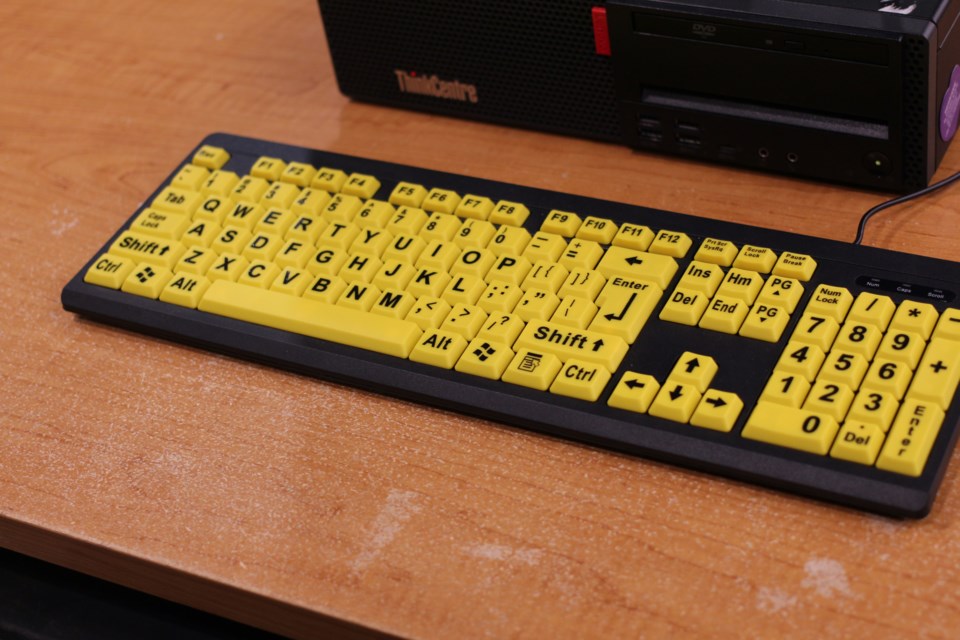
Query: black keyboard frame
{"x": 597, "y": 424}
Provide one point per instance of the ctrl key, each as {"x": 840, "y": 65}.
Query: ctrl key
{"x": 911, "y": 438}
{"x": 109, "y": 271}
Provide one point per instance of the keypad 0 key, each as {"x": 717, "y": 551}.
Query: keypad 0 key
{"x": 801, "y": 429}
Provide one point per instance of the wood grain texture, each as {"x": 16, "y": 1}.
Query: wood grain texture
{"x": 309, "y": 508}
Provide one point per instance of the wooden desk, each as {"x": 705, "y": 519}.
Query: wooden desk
{"x": 306, "y": 507}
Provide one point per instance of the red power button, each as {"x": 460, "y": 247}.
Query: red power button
{"x": 601, "y": 34}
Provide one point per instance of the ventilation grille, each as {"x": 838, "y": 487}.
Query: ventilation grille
{"x": 915, "y": 90}
{"x": 532, "y": 62}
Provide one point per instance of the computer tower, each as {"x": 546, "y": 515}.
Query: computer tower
{"x": 863, "y": 92}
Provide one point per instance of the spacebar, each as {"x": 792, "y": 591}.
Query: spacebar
{"x": 311, "y": 318}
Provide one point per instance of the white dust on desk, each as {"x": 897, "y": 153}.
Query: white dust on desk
{"x": 773, "y": 600}
{"x": 400, "y": 507}
{"x": 826, "y": 577}
{"x": 503, "y": 553}
{"x": 62, "y": 220}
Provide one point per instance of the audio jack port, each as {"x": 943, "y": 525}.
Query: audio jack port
{"x": 763, "y": 152}
{"x": 792, "y": 158}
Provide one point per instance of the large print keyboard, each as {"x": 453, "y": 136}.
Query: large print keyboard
{"x": 807, "y": 365}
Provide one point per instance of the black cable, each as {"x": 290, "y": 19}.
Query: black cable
{"x": 892, "y": 203}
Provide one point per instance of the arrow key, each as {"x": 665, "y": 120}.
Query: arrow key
{"x": 717, "y": 410}
{"x": 694, "y": 369}
{"x": 675, "y": 401}
{"x": 634, "y": 392}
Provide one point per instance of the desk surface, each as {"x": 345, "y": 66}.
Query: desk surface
{"x": 298, "y": 505}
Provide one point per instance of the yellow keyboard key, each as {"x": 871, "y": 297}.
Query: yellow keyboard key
{"x": 537, "y": 304}
{"x": 785, "y": 426}
{"x": 179, "y": 201}
{"x": 440, "y": 226}
{"x": 474, "y": 207}
{"x": 782, "y": 292}
{"x": 633, "y": 236}
{"x": 475, "y": 262}
{"x": 276, "y": 221}
{"x": 485, "y": 359}
{"x": 635, "y": 392}
{"x": 140, "y": 247}
{"x": 715, "y": 251}
{"x": 802, "y": 359}
{"x": 918, "y": 317}
{"x": 587, "y": 284}
{"x": 509, "y": 213}
{"x": 829, "y": 398}
{"x": 326, "y": 289}
{"x": 599, "y": 230}
{"x": 844, "y": 367}
{"x": 394, "y": 275}
{"x": 214, "y": 209}
{"x": 562, "y": 223}
{"x": 407, "y": 220}
{"x": 227, "y": 266}
{"x": 184, "y": 289}
{"x": 502, "y": 327}
{"x": 638, "y": 265}
{"x": 509, "y": 269}
{"x": 292, "y": 281}
{"x": 724, "y": 314}
{"x": 833, "y": 302}
{"x": 210, "y": 157}
{"x": 888, "y": 375}
{"x": 359, "y": 296}
{"x": 783, "y": 387}
{"x": 441, "y": 201}
{"x": 870, "y": 308}
{"x": 694, "y": 369}
{"x": 675, "y": 401}
{"x": 701, "y": 276}
{"x": 718, "y": 410}
{"x": 268, "y": 168}
{"x": 465, "y": 319}
{"x": 581, "y": 254}
{"x": 565, "y": 343}
{"x": 327, "y": 261}
{"x": 360, "y": 185}
{"x": 531, "y": 368}
{"x": 342, "y": 208}
{"x": 671, "y": 243}
{"x": 474, "y": 234}
{"x": 190, "y": 177}
{"x": 742, "y": 285}
{"x": 949, "y": 325}
{"x": 511, "y": 241}
{"x": 624, "y": 312}
{"x": 262, "y": 246}
{"x": 684, "y": 307}
{"x": 147, "y": 280}
{"x": 405, "y": 248}
{"x": 259, "y": 273}
{"x": 874, "y": 407}
{"x": 575, "y": 312}
{"x": 249, "y": 189}
{"x": 280, "y": 195}
{"x": 938, "y": 373}
{"x": 109, "y": 271}
{"x": 817, "y": 330}
{"x": 858, "y": 442}
{"x": 579, "y": 379}
{"x": 429, "y": 312}
{"x": 765, "y": 322}
{"x": 911, "y": 438}
{"x": 439, "y": 348}
{"x": 298, "y": 173}
{"x": 393, "y": 303}
{"x": 428, "y": 282}
{"x": 329, "y": 180}
{"x": 857, "y": 337}
{"x": 543, "y": 246}
{"x": 464, "y": 289}
{"x": 795, "y": 265}
{"x": 545, "y": 275}
{"x": 407, "y": 194}
{"x": 220, "y": 183}
{"x": 903, "y": 346}
{"x": 312, "y": 318}
{"x": 161, "y": 224}
{"x": 753, "y": 258}
{"x": 244, "y": 215}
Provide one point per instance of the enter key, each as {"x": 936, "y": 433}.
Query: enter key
{"x": 625, "y": 312}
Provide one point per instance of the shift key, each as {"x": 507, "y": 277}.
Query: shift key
{"x": 596, "y": 348}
